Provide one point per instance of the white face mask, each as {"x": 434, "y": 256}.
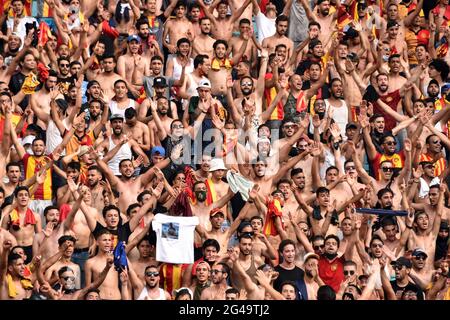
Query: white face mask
{"x": 29, "y": 151}
{"x": 70, "y": 284}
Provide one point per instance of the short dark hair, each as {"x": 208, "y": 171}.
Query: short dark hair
{"x": 183, "y": 40}
{"x": 21, "y": 188}
{"x": 322, "y": 190}
{"x": 141, "y": 195}
{"x": 131, "y": 207}
{"x": 285, "y": 243}
{"x": 65, "y": 238}
{"x": 64, "y": 269}
{"x": 130, "y": 113}
{"x": 220, "y": 41}
{"x": 102, "y": 232}
{"x": 333, "y": 236}
{"x": 108, "y": 208}
{"x": 296, "y": 171}
{"x": 74, "y": 165}
{"x": 326, "y": 293}
{"x": 199, "y": 59}
{"x": 211, "y": 243}
{"x": 232, "y": 291}
{"x": 48, "y": 208}
{"x": 281, "y": 18}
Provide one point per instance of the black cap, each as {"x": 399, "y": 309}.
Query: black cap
{"x": 392, "y": 23}
{"x": 433, "y": 81}
{"x": 160, "y": 82}
{"x": 402, "y": 261}
{"x": 351, "y": 125}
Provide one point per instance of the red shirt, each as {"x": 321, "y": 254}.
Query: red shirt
{"x": 391, "y": 99}
{"x": 332, "y": 272}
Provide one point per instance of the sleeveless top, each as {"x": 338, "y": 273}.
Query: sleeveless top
{"x": 340, "y": 115}
{"x": 295, "y": 105}
{"x": 144, "y": 294}
{"x": 177, "y": 68}
{"x": 114, "y": 108}
{"x": 53, "y": 137}
{"x": 123, "y": 153}
{"x": 251, "y": 272}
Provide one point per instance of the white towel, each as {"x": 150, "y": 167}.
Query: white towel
{"x": 238, "y": 183}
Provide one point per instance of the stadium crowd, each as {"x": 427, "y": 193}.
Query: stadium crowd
{"x": 224, "y": 150}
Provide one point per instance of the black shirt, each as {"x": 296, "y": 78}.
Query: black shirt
{"x": 293, "y": 275}
{"x": 399, "y": 290}
{"x": 122, "y": 233}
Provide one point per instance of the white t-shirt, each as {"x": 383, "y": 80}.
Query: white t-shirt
{"x": 21, "y": 28}
{"x": 175, "y": 238}
{"x": 266, "y": 27}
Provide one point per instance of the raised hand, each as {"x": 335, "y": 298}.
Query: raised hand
{"x": 158, "y": 190}
{"x": 158, "y": 173}
{"x": 316, "y": 121}
{"x": 410, "y": 217}
{"x": 253, "y": 193}
{"x": 138, "y": 161}
{"x": 417, "y": 173}
{"x": 72, "y": 186}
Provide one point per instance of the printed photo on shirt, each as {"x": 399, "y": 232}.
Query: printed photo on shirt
{"x": 170, "y": 230}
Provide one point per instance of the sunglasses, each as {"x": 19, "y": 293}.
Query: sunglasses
{"x": 68, "y": 278}
{"x": 349, "y": 272}
{"x": 288, "y": 126}
{"x": 397, "y": 267}
{"x": 421, "y": 257}
{"x": 178, "y": 127}
{"x": 249, "y": 233}
{"x": 63, "y": 65}
{"x": 350, "y": 168}
{"x": 430, "y": 166}
{"x": 319, "y": 247}
{"x": 248, "y": 84}
{"x": 386, "y": 169}
{"x": 152, "y": 274}
{"x": 390, "y": 143}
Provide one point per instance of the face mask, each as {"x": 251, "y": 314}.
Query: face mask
{"x": 70, "y": 285}
{"x": 321, "y": 115}
{"x": 200, "y": 195}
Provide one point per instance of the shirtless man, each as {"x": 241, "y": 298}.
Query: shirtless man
{"x": 109, "y": 290}
{"x": 202, "y": 66}
{"x": 250, "y": 54}
{"x": 146, "y": 257}
{"x": 124, "y": 24}
{"x": 223, "y": 24}
{"x": 261, "y": 247}
{"x": 221, "y": 66}
{"x": 22, "y": 222}
{"x": 108, "y": 77}
{"x": 13, "y": 173}
{"x": 161, "y": 90}
{"x": 216, "y": 185}
{"x": 203, "y": 43}
{"x": 63, "y": 194}
{"x": 132, "y": 64}
{"x": 162, "y": 108}
{"x": 397, "y": 43}
{"x": 322, "y": 16}
{"x": 219, "y": 274}
{"x": 96, "y": 186}
{"x": 177, "y": 28}
{"x": 280, "y": 38}
{"x": 136, "y": 130}
{"x": 431, "y": 207}
{"x": 203, "y": 173}
{"x": 41, "y": 99}
{"x": 64, "y": 260}
{"x": 14, "y": 267}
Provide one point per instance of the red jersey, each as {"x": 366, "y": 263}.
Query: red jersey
{"x": 391, "y": 99}
{"x": 332, "y": 272}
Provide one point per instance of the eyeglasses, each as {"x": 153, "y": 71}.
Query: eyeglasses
{"x": 216, "y": 271}
{"x": 350, "y": 168}
{"x": 349, "y": 272}
{"x": 390, "y": 143}
{"x": 68, "y": 278}
{"x": 178, "y": 127}
{"x": 398, "y": 267}
{"x": 288, "y": 126}
{"x": 421, "y": 257}
{"x": 319, "y": 247}
{"x": 386, "y": 169}
{"x": 152, "y": 274}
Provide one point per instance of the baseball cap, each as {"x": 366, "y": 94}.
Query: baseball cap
{"x": 204, "y": 83}
{"x": 158, "y": 149}
{"x": 351, "y": 125}
{"x": 419, "y": 251}
{"x": 310, "y": 255}
{"x": 217, "y": 164}
{"x": 116, "y": 116}
{"x": 134, "y": 37}
{"x": 160, "y": 82}
{"x": 28, "y": 140}
{"x": 215, "y": 211}
{"x": 83, "y": 150}
{"x": 402, "y": 261}
{"x": 392, "y": 23}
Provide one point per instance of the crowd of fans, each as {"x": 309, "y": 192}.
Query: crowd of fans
{"x": 224, "y": 150}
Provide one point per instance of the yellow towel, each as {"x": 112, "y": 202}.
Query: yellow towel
{"x": 12, "y": 292}
{"x": 216, "y": 64}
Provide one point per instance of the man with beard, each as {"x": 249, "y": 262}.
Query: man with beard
{"x": 394, "y": 246}
{"x": 41, "y": 99}
{"x": 434, "y": 154}
{"x": 322, "y": 16}
{"x": 201, "y": 209}
{"x": 146, "y": 257}
{"x": 242, "y": 71}
{"x": 164, "y": 106}
{"x": 150, "y": 46}
{"x": 377, "y": 130}
{"x": 13, "y": 173}
{"x": 44, "y": 243}
{"x": 149, "y": 288}
{"x": 337, "y": 105}
{"x": 63, "y": 194}
{"x": 287, "y": 270}
{"x": 98, "y": 116}
{"x": 279, "y": 37}
{"x": 96, "y": 186}
{"x": 223, "y": 23}
{"x": 12, "y": 275}
{"x": 65, "y": 78}
{"x": 137, "y": 130}
{"x": 93, "y": 91}
{"x": 221, "y": 66}
{"x": 250, "y": 53}
{"x": 219, "y": 275}
{"x": 203, "y": 43}
{"x": 109, "y": 289}
{"x": 419, "y": 274}
{"x": 108, "y": 77}
{"x": 121, "y": 165}
{"x": 132, "y": 65}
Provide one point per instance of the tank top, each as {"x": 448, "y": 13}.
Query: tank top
{"x": 123, "y": 153}
{"x": 114, "y": 108}
{"x": 251, "y": 272}
{"x": 177, "y": 68}
{"x": 340, "y": 115}
{"x": 53, "y": 137}
{"x": 144, "y": 295}
{"x": 192, "y": 90}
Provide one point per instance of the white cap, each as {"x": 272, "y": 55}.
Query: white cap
{"x": 28, "y": 140}
{"x": 217, "y": 164}
{"x": 204, "y": 83}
